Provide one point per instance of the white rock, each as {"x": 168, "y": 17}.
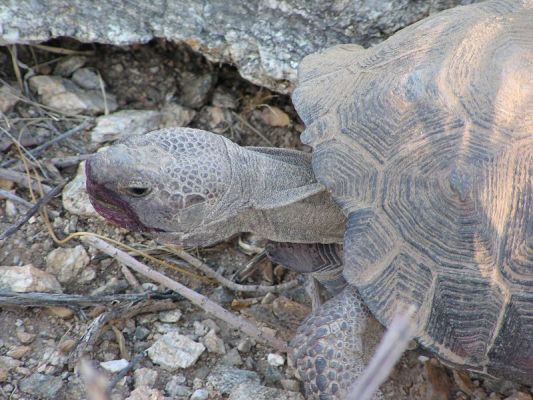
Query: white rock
{"x": 200, "y": 394}
{"x": 213, "y": 343}
{"x": 114, "y": 365}
{"x": 173, "y": 351}
{"x": 27, "y": 279}
{"x": 67, "y": 263}
{"x": 124, "y": 124}
{"x": 145, "y": 377}
{"x": 275, "y": 360}
{"x": 175, "y": 115}
{"x": 75, "y": 198}
{"x": 65, "y": 95}
{"x": 170, "y": 316}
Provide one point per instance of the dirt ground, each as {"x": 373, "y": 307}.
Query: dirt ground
{"x": 39, "y": 340}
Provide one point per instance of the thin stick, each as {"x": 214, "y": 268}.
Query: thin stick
{"x": 32, "y": 211}
{"x": 262, "y": 289}
{"x": 60, "y": 50}
{"x": 37, "y": 299}
{"x": 68, "y": 161}
{"x": 39, "y": 149}
{"x": 21, "y": 179}
{"x": 201, "y": 301}
{"x": 13, "y": 197}
{"x": 389, "y": 351}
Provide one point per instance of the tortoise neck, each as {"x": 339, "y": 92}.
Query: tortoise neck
{"x": 287, "y": 203}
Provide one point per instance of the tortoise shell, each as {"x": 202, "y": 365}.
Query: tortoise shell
{"x": 426, "y": 142}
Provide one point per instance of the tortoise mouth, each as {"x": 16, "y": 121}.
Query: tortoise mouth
{"x": 111, "y": 205}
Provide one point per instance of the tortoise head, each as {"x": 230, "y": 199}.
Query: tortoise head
{"x": 165, "y": 182}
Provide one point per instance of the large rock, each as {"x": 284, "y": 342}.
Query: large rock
{"x": 265, "y": 39}
{"x": 27, "y": 278}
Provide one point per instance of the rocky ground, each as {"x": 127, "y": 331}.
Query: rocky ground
{"x": 89, "y": 96}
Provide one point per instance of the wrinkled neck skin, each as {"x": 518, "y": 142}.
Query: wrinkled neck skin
{"x": 275, "y": 195}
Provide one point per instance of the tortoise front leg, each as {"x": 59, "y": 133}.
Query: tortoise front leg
{"x": 334, "y": 344}
{"x": 323, "y": 261}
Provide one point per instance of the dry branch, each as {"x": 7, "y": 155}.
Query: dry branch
{"x": 201, "y": 301}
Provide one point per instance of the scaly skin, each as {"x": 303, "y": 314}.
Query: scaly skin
{"x": 195, "y": 188}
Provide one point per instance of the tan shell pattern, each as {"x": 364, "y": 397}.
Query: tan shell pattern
{"x": 426, "y": 141}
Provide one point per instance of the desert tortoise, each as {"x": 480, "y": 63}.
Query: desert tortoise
{"x": 425, "y": 144}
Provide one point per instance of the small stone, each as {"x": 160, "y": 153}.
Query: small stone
{"x": 232, "y": 357}
{"x": 65, "y": 95}
{"x": 199, "y": 328}
{"x": 75, "y": 198}
{"x": 67, "y": 66}
{"x": 200, "y": 394}
{"x": 274, "y": 116}
{"x": 173, "y": 351}
{"x": 291, "y": 385}
{"x": 87, "y": 275}
{"x": 25, "y": 337}
{"x": 66, "y": 345}
{"x": 9, "y": 96}
{"x": 224, "y": 100}
{"x": 213, "y": 343}
{"x": 66, "y": 263}
{"x": 3, "y": 375}
{"x": 114, "y": 365}
{"x": 87, "y": 79}
{"x": 145, "y": 377}
{"x": 175, "y": 115}
{"x": 245, "y": 345}
{"x": 27, "y": 279}
{"x": 61, "y": 312}
{"x": 170, "y": 316}
{"x": 221, "y": 295}
{"x": 175, "y": 388}
{"x": 41, "y": 385}
{"x": 195, "y": 88}
{"x": 9, "y": 363}
{"x": 124, "y": 124}
{"x": 275, "y": 360}
{"x": 11, "y": 209}
{"x": 210, "y": 324}
{"x": 224, "y": 378}
{"x": 246, "y": 391}
{"x": 268, "y": 299}
{"x": 145, "y": 393}
{"x": 141, "y": 332}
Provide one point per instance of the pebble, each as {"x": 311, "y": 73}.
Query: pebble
{"x": 66, "y": 345}
{"x": 246, "y": 391}
{"x": 221, "y": 295}
{"x": 211, "y": 325}
{"x": 145, "y": 393}
{"x": 175, "y": 387}
{"x": 114, "y": 365}
{"x": 275, "y": 360}
{"x": 67, "y": 66}
{"x": 173, "y": 351}
{"x": 232, "y": 357}
{"x": 213, "y": 343}
{"x": 3, "y": 374}
{"x": 124, "y": 124}
{"x": 24, "y": 337}
{"x": 141, "y": 332}
{"x": 224, "y": 100}
{"x": 87, "y": 79}
{"x": 41, "y": 385}
{"x": 175, "y": 115}
{"x": 145, "y": 377}
{"x": 170, "y": 316}
{"x": 65, "y": 263}
{"x": 61, "y": 312}
{"x": 200, "y": 394}
{"x": 199, "y": 328}
{"x": 291, "y": 385}
{"x": 11, "y": 208}
{"x": 65, "y": 95}
{"x": 8, "y": 98}
{"x": 245, "y": 345}
{"x": 274, "y": 116}
{"x": 519, "y": 396}
{"x": 27, "y": 279}
{"x": 75, "y": 198}
{"x": 225, "y": 378}
{"x": 195, "y": 88}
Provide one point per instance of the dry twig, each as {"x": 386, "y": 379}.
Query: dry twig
{"x": 201, "y": 301}
{"x": 389, "y": 351}
{"x": 21, "y": 179}
{"x": 262, "y": 289}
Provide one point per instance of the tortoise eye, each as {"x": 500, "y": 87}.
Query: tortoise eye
{"x": 137, "y": 191}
